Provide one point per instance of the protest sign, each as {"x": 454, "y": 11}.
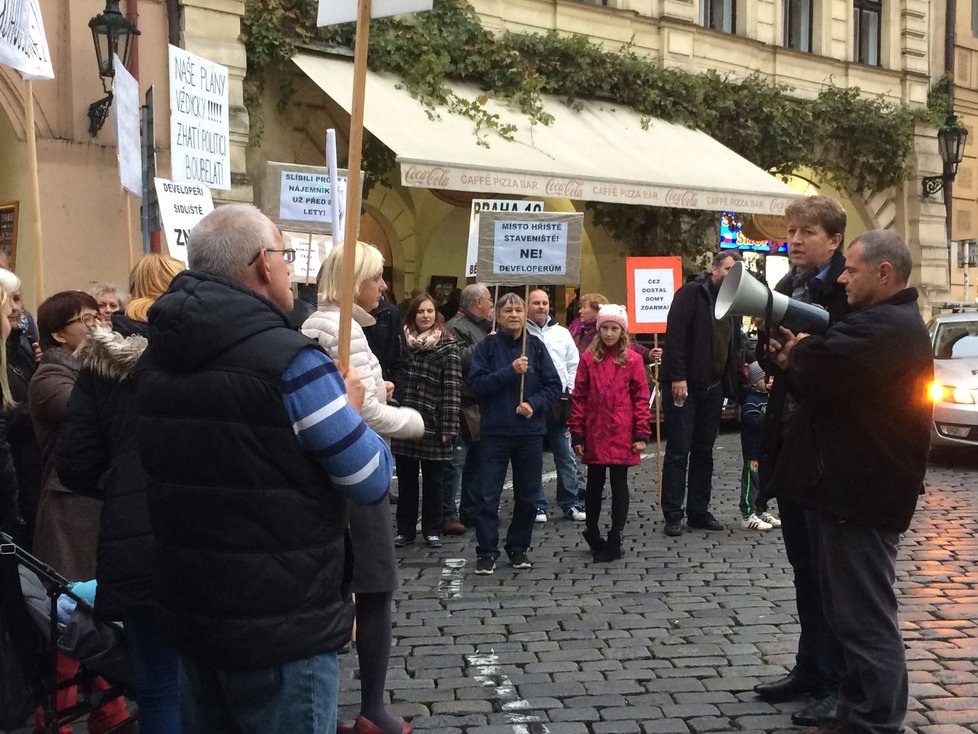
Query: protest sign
{"x": 332, "y": 12}
{"x": 299, "y": 198}
{"x": 530, "y": 248}
{"x": 200, "y": 147}
{"x": 182, "y": 205}
{"x": 125, "y": 108}
{"x": 652, "y": 283}
{"x": 23, "y": 44}
{"x": 310, "y": 251}
{"x": 491, "y": 205}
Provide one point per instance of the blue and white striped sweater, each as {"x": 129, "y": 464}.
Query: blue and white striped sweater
{"x": 356, "y": 459}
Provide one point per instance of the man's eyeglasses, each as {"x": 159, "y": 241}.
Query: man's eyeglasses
{"x": 89, "y": 319}
{"x": 288, "y": 254}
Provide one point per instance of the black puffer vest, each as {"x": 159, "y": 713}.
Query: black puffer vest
{"x": 252, "y": 538}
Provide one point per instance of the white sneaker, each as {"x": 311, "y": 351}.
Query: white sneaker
{"x": 772, "y": 520}
{"x": 541, "y": 516}
{"x": 753, "y": 522}
{"x": 576, "y": 513}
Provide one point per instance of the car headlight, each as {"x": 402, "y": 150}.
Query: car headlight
{"x": 950, "y": 394}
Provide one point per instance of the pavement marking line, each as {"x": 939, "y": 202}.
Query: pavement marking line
{"x": 450, "y": 583}
{"x": 490, "y": 674}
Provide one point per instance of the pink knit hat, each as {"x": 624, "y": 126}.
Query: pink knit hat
{"x": 613, "y": 312}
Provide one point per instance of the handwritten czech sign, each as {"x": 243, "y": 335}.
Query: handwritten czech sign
{"x": 652, "y": 283}
{"x": 530, "y": 248}
{"x": 491, "y": 205}
{"x": 182, "y": 205}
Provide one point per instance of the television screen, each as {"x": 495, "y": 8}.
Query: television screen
{"x": 733, "y": 238}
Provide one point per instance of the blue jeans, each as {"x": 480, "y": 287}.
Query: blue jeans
{"x": 298, "y": 696}
{"x": 461, "y": 479}
{"x": 155, "y": 666}
{"x": 558, "y": 439}
{"x": 691, "y": 431}
{"x": 526, "y": 455}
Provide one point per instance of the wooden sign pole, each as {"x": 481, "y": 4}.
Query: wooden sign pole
{"x": 129, "y": 228}
{"x": 526, "y": 301}
{"x": 35, "y": 194}
{"x": 658, "y": 418}
{"x": 353, "y": 180}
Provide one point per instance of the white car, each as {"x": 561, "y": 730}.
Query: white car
{"x": 954, "y": 391}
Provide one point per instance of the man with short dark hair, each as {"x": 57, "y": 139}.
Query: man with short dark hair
{"x": 252, "y": 446}
{"x": 816, "y": 230}
{"x": 700, "y": 366}
{"x": 863, "y": 433}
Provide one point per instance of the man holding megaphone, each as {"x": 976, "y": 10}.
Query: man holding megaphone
{"x": 816, "y": 229}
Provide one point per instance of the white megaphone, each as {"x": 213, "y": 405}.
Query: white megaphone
{"x": 741, "y": 294}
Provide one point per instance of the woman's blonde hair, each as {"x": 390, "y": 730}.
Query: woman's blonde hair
{"x": 8, "y": 400}
{"x": 597, "y": 348}
{"x": 368, "y": 265}
{"x": 148, "y": 281}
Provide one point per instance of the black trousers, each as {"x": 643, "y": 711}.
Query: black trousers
{"x": 857, "y": 569}
{"x": 433, "y": 475}
{"x": 594, "y": 495}
{"x": 819, "y": 657}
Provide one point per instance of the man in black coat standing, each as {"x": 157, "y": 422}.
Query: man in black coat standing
{"x": 863, "y": 434}
{"x": 700, "y": 365}
{"x": 816, "y": 229}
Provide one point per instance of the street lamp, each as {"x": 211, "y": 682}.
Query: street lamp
{"x": 113, "y": 34}
{"x": 950, "y": 143}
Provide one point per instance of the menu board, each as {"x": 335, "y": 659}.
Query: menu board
{"x": 8, "y": 232}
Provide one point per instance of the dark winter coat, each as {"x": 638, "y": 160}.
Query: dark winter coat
{"x": 497, "y": 386}
{"x": 828, "y": 293}
{"x": 253, "y": 562}
{"x": 66, "y": 533}
{"x": 98, "y": 456}
{"x": 386, "y": 340}
{"x": 863, "y": 422}
{"x": 610, "y": 409}
{"x": 469, "y": 330}
{"x": 432, "y": 385}
{"x": 688, "y": 354}
{"x": 753, "y": 412}
{"x": 26, "y": 454}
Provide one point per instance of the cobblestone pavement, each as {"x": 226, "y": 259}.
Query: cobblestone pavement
{"x": 672, "y": 637}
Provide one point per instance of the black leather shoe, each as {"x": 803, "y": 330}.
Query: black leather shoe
{"x": 705, "y": 522}
{"x": 674, "y": 528}
{"x": 791, "y": 687}
{"x": 820, "y": 711}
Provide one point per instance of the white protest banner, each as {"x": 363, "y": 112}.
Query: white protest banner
{"x": 298, "y": 198}
{"x": 491, "y": 205}
{"x": 125, "y": 108}
{"x": 536, "y": 248}
{"x": 200, "y": 147}
{"x": 310, "y": 251}
{"x": 182, "y": 205}
{"x": 652, "y": 283}
{"x": 23, "y": 44}
{"x": 332, "y": 12}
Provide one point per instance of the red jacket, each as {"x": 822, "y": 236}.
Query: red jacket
{"x": 610, "y": 409}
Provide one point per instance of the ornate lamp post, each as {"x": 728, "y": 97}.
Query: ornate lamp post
{"x": 112, "y": 34}
{"x": 950, "y": 143}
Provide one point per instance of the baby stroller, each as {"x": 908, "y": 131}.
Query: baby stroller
{"x": 31, "y": 637}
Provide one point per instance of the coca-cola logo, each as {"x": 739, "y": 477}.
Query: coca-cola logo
{"x": 566, "y": 188}
{"x": 432, "y": 178}
{"x": 682, "y": 198}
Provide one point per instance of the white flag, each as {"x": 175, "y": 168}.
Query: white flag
{"x": 23, "y": 44}
{"x": 332, "y": 12}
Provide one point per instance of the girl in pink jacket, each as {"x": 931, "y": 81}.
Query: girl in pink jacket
{"x": 609, "y": 423}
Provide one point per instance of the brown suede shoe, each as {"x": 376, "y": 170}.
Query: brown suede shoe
{"x": 452, "y": 527}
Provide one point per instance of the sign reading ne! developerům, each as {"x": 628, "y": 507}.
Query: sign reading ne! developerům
{"x": 200, "y": 148}
{"x": 540, "y": 248}
{"x": 491, "y": 205}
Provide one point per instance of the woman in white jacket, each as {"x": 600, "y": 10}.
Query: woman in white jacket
{"x": 374, "y": 564}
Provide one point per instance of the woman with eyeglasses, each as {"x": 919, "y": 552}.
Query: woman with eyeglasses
{"x": 66, "y": 531}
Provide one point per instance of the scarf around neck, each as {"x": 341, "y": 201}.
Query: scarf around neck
{"x": 425, "y": 340}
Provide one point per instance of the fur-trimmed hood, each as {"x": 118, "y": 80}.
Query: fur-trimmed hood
{"x": 111, "y": 355}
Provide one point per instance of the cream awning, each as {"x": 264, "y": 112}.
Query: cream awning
{"x": 603, "y": 152}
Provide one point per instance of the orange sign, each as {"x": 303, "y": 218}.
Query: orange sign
{"x": 652, "y": 282}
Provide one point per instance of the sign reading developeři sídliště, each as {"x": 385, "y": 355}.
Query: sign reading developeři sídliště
{"x": 533, "y": 248}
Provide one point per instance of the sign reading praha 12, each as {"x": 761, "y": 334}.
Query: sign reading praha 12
{"x": 652, "y": 283}
{"x": 200, "y": 147}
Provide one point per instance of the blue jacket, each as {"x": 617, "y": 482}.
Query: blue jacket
{"x": 496, "y": 385}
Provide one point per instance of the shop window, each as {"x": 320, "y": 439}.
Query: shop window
{"x": 798, "y": 25}
{"x": 720, "y": 15}
{"x": 866, "y": 25}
